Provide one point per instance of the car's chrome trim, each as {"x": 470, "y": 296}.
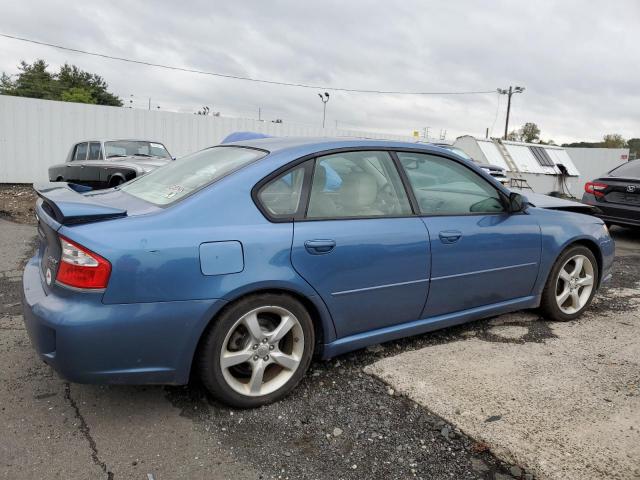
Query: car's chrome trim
{"x": 445, "y": 277}
{"x": 378, "y": 287}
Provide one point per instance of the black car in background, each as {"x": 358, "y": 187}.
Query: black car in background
{"x": 617, "y": 195}
{"x": 109, "y": 163}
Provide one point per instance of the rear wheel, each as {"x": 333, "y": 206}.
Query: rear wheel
{"x": 571, "y": 284}
{"x": 257, "y": 351}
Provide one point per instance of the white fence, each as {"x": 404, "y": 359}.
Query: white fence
{"x": 35, "y": 134}
{"x": 594, "y": 162}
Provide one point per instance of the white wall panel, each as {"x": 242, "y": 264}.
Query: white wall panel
{"x": 493, "y": 155}
{"x": 35, "y": 134}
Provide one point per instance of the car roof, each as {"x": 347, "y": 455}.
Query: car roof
{"x": 102, "y": 140}
{"x": 279, "y": 144}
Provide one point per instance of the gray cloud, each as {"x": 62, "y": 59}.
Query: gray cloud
{"x": 577, "y": 59}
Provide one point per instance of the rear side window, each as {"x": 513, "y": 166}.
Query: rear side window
{"x": 281, "y": 197}
{"x": 95, "y": 152}
{"x": 357, "y": 185}
{"x": 180, "y": 178}
{"x": 629, "y": 169}
{"x": 81, "y": 152}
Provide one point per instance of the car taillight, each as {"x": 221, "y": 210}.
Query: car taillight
{"x": 81, "y": 268}
{"x": 595, "y": 188}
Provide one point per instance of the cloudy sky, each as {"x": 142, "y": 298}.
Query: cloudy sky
{"x": 577, "y": 59}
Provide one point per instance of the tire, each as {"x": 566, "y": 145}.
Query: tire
{"x": 115, "y": 182}
{"x": 248, "y": 334}
{"x": 580, "y": 292}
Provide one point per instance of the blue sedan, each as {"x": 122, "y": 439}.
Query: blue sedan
{"x": 242, "y": 261}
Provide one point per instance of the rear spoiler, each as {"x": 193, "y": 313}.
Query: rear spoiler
{"x": 66, "y": 204}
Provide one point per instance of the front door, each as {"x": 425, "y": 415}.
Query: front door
{"x": 481, "y": 254}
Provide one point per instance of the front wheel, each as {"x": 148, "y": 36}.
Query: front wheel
{"x": 571, "y": 284}
{"x": 257, "y": 351}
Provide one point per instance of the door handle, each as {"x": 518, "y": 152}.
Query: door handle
{"x": 450, "y": 236}
{"x": 319, "y": 247}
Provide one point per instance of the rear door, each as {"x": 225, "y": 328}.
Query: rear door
{"x": 93, "y": 165}
{"x": 481, "y": 254}
{"x": 359, "y": 245}
{"x": 74, "y": 169}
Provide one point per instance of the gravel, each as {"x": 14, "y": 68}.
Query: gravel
{"x": 17, "y": 203}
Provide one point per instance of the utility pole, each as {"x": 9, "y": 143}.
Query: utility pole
{"x": 324, "y": 100}
{"x": 510, "y": 92}
{"x": 149, "y": 103}
{"x": 259, "y": 114}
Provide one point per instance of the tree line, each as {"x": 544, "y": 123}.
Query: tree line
{"x": 68, "y": 84}
{"x": 530, "y": 133}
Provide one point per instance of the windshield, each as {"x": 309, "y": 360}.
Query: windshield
{"x": 123, "y": 148}
{"x": 178, "y": 179}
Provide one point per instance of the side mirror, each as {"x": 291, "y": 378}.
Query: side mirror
{"x": 517, "y": 202}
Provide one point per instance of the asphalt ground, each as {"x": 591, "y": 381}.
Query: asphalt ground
{"x": 340, "y": 423}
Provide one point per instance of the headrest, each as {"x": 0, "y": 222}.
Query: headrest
{"x": 359, "y": 189}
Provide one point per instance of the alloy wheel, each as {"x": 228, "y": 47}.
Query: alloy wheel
{"x": 262, "y": 351}
{"x": 574, "y": 284}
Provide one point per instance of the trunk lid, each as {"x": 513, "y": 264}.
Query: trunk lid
{"x": 67, "y": 205}
{"x": 624, "y": 191}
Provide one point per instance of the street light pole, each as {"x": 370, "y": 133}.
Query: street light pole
{"x": 509, "y": 93}
{"x": 324, "y": 100}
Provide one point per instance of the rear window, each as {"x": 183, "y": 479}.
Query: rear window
{"x": 181, "y": 177}
{"x": 629, "y": 169}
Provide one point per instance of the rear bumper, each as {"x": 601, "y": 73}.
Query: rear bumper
{"x": 87, "y": 341}
{"x": 614, "y": 212}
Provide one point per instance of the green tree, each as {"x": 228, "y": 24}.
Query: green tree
{"x": 530, "y": 132}
{"x": 634, "y": 147}
{"x": 614, "y": 140}
{"x": 71, "y": 76}
{"x": 77, "y": 95}
{"x": 514, "y": 136}
{"x": 32, "y": 81}
{"x": 69, "y": 84}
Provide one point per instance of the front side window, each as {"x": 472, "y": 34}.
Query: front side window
{"x": 445, "y": 187}
{"x": 95, "y": 151}
{"x": 281, "y": 196}
{"x": 357, "y": 184}
{"x": 81, "y": 152}
{"x": 177, "y": 179}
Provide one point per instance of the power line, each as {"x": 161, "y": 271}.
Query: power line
{"x": 238, "y": 77}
